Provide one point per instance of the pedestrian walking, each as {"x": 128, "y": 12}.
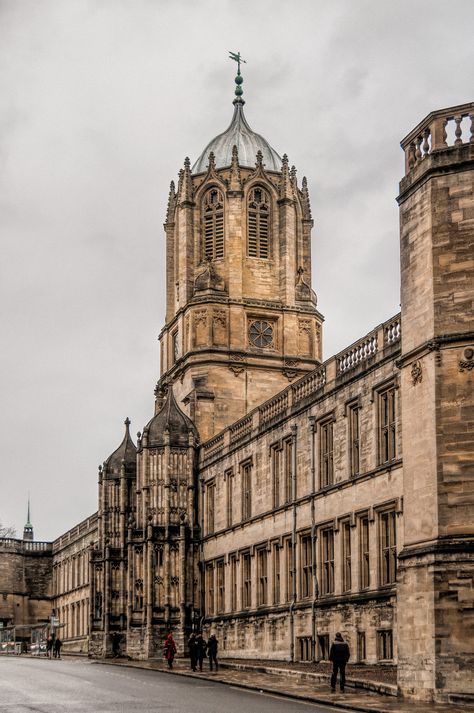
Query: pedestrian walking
{"x": 169, "y": 649}
{"x": 57, "y": 648}
{"x": 339, "y": 655}
{"x": 49, "y": 646}
{"x": 201, "y": 649}
{"x": 212, "y": 646}
{"x": 116, "y": 639}
{"x": 193, "y": 652}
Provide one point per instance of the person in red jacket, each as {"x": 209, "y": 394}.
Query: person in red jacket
{"x": 169, "y": 649}
{"x": 339, "y": 655}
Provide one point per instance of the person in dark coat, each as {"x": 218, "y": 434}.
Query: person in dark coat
{"x": 57, "y": 648}
{"x": 193, "y": 651}
{"x": 116, "y": 639}
{"x": 169, "y": 649}
{"x": 201, "y": 649}
{"x": 339, "y": 655}
{"x": 49, "y": 646}
{"x": 212, "y": 646}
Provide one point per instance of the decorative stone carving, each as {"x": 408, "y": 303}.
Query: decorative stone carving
{"x": 219, "y": 328}
{"x": 200, "y": 317}
{"x": 416, "y": 373}
{"x": 220, "y": 318}
{"x": 305, "y": 337}
{"x": 303, "y": 291}
{"x": 237, "y": 363}
{"x": 200, "y": 327}
{"x": 289, "y": 368}
{"x": 467, "y": 363}
{"x": 236, "y": 369}
{"x": 209, "y": 280}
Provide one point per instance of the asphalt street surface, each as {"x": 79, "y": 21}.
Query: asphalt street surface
{"x": 30, "y": 685}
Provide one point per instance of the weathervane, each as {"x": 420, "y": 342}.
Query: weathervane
{"x": 239, "y": 79}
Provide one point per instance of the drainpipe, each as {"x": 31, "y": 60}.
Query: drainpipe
{"x": 312, "y": 432}
{"x": 201, "y": 577}
{"x": 294, "y": 430}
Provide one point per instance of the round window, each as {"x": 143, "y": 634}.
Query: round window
{"x": 261, "y": 333}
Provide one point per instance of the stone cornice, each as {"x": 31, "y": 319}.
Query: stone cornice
{"x": 456, "y": 544}
{"x": 434, "y": 344}
{"x": 437, "y": 163}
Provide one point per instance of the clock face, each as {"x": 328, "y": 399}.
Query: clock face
{"x": 261, "y": 333}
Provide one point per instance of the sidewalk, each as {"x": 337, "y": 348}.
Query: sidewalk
{"x": 295, "y": 687}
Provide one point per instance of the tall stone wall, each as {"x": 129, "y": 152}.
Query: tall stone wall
{"x": 25, "y": 581}
{"x": 288, "y": 624}
{"x": 435, "y": 591}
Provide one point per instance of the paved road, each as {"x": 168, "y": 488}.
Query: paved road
{"x": 75, "y": 686}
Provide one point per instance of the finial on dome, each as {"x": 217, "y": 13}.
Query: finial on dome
{"x": 259, "y": 158}
{"x": 239, "y": 79}
{"x": 127, "y": 423}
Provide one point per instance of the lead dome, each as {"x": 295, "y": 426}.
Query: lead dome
{"x": 248, "y": 145}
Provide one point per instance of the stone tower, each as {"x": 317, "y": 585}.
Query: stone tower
{"x": 436, "y": 577}
{"x": 241, "y": 317}
{"x": 163, "y": 539}
{"x": 109, "y": 560}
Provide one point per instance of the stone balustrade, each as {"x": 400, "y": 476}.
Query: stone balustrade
{"x": 432, "y": 134}
{"x": 34, "y": 546}
{"x": 17, "y": 545}
{"x": 392, "y": 330}
{"x": 309, "y": 384}
{"x": 83, "y": 528}
{"x": 214, "y": 446}
{"x": 273, "y": 409}
{"x": 357, "y": 353}
{"x": 241, "y": 429}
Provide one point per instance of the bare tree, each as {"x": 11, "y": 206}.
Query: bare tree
{"x": 6, "y": 531}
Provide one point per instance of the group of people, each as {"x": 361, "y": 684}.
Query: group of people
{"x": 199, "y": 649}
{"x": 53, "y": 646}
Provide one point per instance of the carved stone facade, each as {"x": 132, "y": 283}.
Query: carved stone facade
{"x": 274, "y": 498}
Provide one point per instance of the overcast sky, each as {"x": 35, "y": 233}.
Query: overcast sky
{"x": 100, "y": 102}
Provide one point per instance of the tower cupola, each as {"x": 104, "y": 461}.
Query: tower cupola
{"x": 126, "y": 454}
{"x": 247, "y": 141}
{"x": 170, "y": 425}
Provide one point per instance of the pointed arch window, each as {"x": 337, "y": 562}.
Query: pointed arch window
{"x": 258, "y": 229}
{"x": 213, "y": 224}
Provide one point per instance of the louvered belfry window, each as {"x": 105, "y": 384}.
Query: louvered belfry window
{"x": 213, "y": 224}
{"x": 258, "y": 241}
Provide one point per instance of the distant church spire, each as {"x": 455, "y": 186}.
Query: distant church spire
{"x": 28, "y": 529}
